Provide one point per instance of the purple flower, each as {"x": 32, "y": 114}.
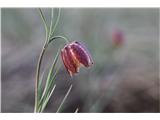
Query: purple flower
{"x": 74, "y": 55}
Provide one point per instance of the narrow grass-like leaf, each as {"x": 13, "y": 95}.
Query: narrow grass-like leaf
{"x": 53, "y": 78}
{"x": 50, "y": 87}
{"x": 47, "y": 99}
{"x": 64, "y": 99}
{"x": 40, "y": 86}
{"x": 44, "y": 21}
{"x": 49, "y": 74}
{"x": 51, "y": 24}
{"x": 56, "y": 23}
{"x": 49, "y": 82}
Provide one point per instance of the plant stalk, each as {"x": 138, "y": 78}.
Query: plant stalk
{"x": 37, "y": 75}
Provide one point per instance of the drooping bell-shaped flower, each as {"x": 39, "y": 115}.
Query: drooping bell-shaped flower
{"x": 74, "y": 55}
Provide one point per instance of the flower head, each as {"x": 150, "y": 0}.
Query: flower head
{"x": 74, "y": 55}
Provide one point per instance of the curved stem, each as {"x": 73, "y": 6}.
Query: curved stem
{"x": 56, "y": 37}
{"x": 37, "y": 75}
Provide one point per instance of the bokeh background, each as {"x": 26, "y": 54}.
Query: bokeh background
{"x": 122, "y": 79}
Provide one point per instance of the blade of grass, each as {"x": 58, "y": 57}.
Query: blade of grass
{"x": 44, "y": 20}
{"x": 40, "y": 85}
{"x": 49, "y": 74}
{"x": 64, "y": 99}
{"x": 49, "y": 88}
{"x": 47, "y": 99}
{"x": 56, "y": 23}
{"x": 51, "y": 24}
{"x": 52, "y": 81}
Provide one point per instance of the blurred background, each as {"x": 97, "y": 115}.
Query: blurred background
{"x": 122, "y": 41}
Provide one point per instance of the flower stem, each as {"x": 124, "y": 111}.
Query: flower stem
{"x": 37, "y": 76}
{"x": 56, "y": 37}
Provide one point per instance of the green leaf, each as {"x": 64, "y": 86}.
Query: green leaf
{"x": 50, "y": 88}
{"x": 40, "y": 86}
{"x": 50, "y": 73}
{"x": 44, "y": 21}
{"x": 49, "y": 82}
{"x": 47, "y": 98}
{"x": 56, "y": 23}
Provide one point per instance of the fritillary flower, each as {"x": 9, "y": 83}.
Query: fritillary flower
{"x": 74, "y": 55}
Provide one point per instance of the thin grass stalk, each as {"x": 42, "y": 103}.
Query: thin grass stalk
{"x": 47, "y": 99}
{"x": 57, "y": 21}
{"x": 49, "y": 74}
{"x": 64, "y": 99}
{"x": 40, "y": 84}
{"x": 51, "y": 24}
{"x": 49, "y": 87}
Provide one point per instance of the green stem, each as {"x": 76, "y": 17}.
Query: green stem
{"x": 37, "y": 76}
{"x": 56, "y": 37}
